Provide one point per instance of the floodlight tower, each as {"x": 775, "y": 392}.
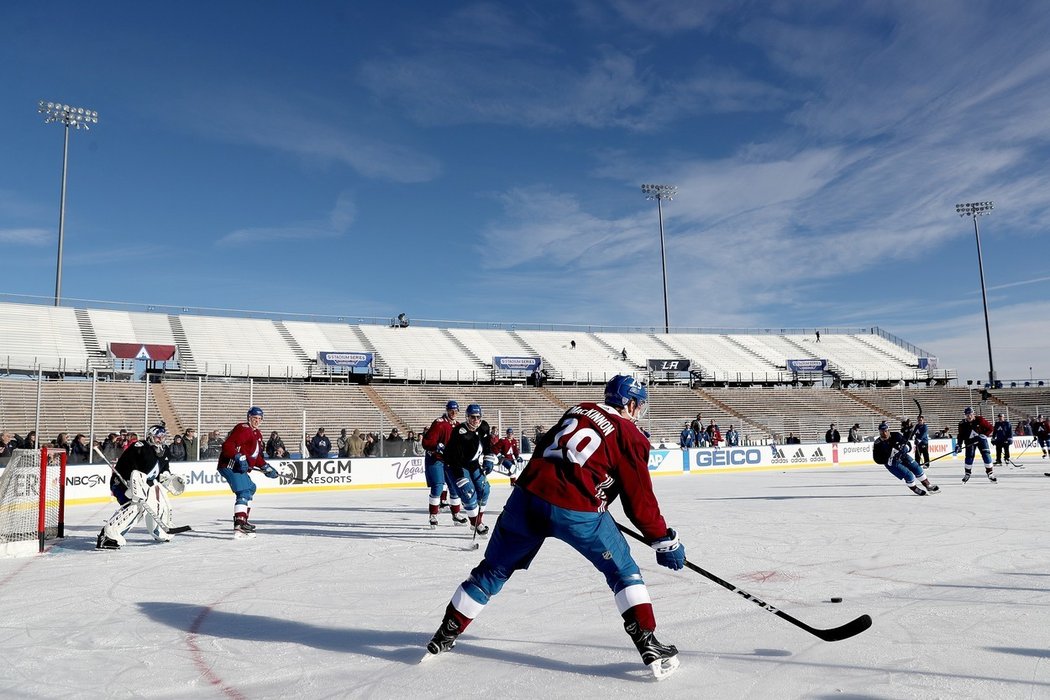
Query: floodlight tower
{"x": 975, "y": 209}
{"x": 660, "y": 193}
{"x": 78, "y": 118}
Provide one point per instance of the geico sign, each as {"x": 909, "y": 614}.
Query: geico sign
{"x": 728, "y": 458}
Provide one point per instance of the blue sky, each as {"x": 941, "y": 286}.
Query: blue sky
{"x": 482, "y": 161}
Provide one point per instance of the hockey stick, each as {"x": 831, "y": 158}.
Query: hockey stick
{"x": 170, "y": 530}
{"x": 834, "y": 634}
{"x": 289, "y": 477}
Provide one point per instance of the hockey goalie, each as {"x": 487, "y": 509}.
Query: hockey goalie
{"x": 140, "y": 482}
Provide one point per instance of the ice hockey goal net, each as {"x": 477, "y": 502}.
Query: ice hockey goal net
{"x": 32, "y": 501}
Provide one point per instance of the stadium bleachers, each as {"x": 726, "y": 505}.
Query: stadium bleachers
{"x": 45, "y": 337}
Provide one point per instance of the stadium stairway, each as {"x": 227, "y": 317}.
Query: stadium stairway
{"x": 382, "y": 405}
{"x": 186, "y": 361}
{"x": 297, "y": 349}
{"x": 166, "y": 407}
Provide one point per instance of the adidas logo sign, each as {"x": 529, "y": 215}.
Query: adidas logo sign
{"x": 818, "y": 456}
{"x": 799, "y": 456}
{"x": 778, "y": 456}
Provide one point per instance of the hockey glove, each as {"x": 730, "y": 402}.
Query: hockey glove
{"x": 440, "y": 449}
{"x": 240, "y": 464}
{"x": 269, "y": 471}
{"x": 905, "y": 448}
{"x": 488, "y": 464}
{"x": 669, "y": 551}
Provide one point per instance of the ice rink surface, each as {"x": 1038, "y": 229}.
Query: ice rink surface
{"x": 340, "y": 591}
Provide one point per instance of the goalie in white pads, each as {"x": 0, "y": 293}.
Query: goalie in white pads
{"x": 140, "y": 482}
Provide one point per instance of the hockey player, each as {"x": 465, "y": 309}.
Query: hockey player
{"x": 136, "y": 483}
{"x": 973, "y": 434}
{"x": 1002, "y": 437}
{"x": 241, "y": 452}
{"x": 890, "y": 449}
{"x": 1041, "y": 432}
{"x": 434, "y": 440}
{"x": 595, "y": 454}
{"x": 507, "y": 455}
{"x": 921, "y": 436}
{"x": 469, "y": 459}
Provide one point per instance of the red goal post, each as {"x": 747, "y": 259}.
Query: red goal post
{"x": 32, "y": 501}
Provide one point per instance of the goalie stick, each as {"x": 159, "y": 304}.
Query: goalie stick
{"x": 170, "y": 530}
{"x": 834, "y": 634}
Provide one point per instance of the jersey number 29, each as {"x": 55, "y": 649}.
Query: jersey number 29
{"x": 573, "y": 443}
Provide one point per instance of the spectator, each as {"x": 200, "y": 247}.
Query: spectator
{"x": 395, "y": 444}
{"x": 526, "y": 444}
{"x": 124, "y": 442}
{"x": 818, "y": 340}
{"x": 214, "y": 445}
{"x": 177, "y": 449}
{"x": 687, "y": 438}
{"x": 538, "y": 432}
{"x": 697, "y": 426}
{"x": 274, "y": 444}
{"x": 413, "y": 446}
{"x": 714, "y": 435}
{"x": 572, "y": 344}
{"x": 62, "y": 442}
{"x": 111, "y": 448}
{"x": 623, "y": 354}
{"x": 854, "y": 433}
{"x": 320, "y": 445}
{"x": 732, "y": 437}
{"x": 355, "y": 444}
{"x": 80, "y": 450}
{"x": 371, "y": 448}
{"x": 7, "y": 445}
{"x": 832, "y": 435}
{"x": 30, "y": 440}
{"x": 792, "y": 440}
{"x": 192, "y": 443}
{"x": 342, "y": 446}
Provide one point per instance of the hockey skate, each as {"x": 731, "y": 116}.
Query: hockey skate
{"x": 662, "y": 659}
{"x": 991, "y": 476}
{"x": 242, "y": 529}
{"x": 916, "y": 490}
{"x": 433, "y": 521}
{"x": 932, "y": 488}
{"x": 966, "y": 477}
{"x": 445, "y": 638}
{"x": 104, "y": 542}
{"x": 459, "y": 519}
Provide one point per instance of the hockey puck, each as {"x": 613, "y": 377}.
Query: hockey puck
{"x": 836, "y": 600}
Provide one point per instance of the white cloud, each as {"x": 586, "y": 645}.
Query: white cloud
{"x": 338, "y": 222}
{"x": 27, "y": 236}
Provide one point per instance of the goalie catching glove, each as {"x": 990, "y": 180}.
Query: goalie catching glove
{"x": 172, "y": 483}
{"x": 669, "y": 551}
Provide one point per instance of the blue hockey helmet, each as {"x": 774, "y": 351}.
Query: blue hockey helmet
{"x": 622, "y": 388}
{"x": 883, "y": 426}
{"x": 157, "y": 433}
{"x": 255, "y": 411}
{"x": 968, "y": 411}
{"x": 474, "y": 410}
{"x": 452, "y": 406}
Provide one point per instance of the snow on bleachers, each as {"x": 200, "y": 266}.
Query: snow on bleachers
{"x": 240, "y": 346}
{"x": 487, "y": 344}
{"x": 720, "y": 359}
{"x": 324, "y": 337}
{"x": 130, "y": 327}
{"x": 422, "y": 353}
{"x": 588, "y": 361}
{"x": 640, "y": 348}
{"x": 41, "y": 336}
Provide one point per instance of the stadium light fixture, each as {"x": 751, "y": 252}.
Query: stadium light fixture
{"x": 660, "y": 193}
{"x": 974, "y": 210}
{"x": 78, "y": 118}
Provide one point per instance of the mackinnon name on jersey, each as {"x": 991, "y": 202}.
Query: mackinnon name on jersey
{"x": 598, "y": 417}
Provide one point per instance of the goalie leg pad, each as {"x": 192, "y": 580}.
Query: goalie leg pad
{"x": 157, "y": 503}
{"x": 122, "y": 521}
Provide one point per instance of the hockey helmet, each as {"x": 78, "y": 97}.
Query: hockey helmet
{"x": 452, "y": 406}
{"x": 157, "y": 433}
{"x": 622, "y": 388}
{"x": 474, "y": 410}
{"x": 883, "y": 426}
{"x": 967, "y": 411}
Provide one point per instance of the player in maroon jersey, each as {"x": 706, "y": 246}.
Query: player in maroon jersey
{"x": 438, "y": 479}
{"x": 241, "y": 452}
{"x": 593, "y": 455}
{"x": 507, "y": 454}
{"x": 974, "y": 431}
